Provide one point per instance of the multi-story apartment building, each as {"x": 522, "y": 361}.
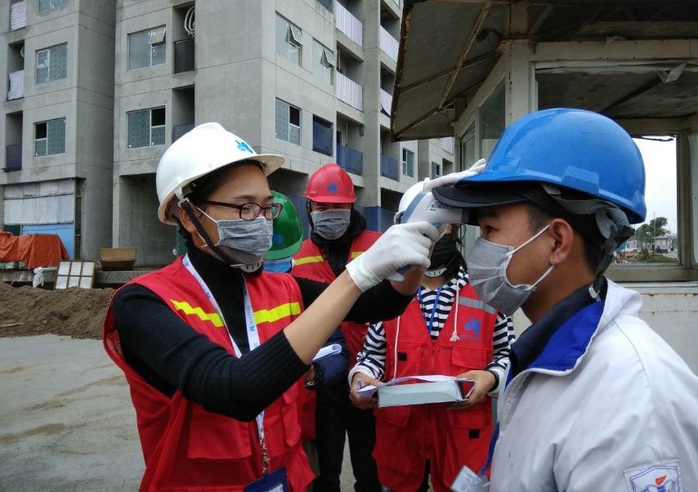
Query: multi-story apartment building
{"x": 57, "y": 121}
{"x": 309, "y": 79}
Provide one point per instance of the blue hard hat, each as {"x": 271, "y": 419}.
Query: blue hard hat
{"x": 572, "y": 148}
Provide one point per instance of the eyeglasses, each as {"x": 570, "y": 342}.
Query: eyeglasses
{"x": 251, "y": 210}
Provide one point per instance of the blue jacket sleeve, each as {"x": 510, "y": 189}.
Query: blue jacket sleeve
{"x": 332, "y": 368}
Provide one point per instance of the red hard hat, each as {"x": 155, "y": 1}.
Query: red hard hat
{"x": 330, "y": 184}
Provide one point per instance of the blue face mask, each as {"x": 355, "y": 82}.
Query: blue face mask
{"x": 278, "y": 266}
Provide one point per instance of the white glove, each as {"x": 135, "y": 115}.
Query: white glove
{"x": 452, "y": 178}
{"x": 401, "y": 245}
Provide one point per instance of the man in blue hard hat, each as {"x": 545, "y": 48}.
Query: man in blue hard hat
{"x": 594, "y": 399}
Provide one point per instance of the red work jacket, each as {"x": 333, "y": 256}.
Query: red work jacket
{"x": 407, "y": 436}
{"x": 187, "y": 448}
{"x": 309, "y": 263}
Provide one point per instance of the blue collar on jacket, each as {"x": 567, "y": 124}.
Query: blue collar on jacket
{"x": 562, "y": 335}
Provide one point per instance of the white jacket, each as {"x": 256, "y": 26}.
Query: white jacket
{"x": 608, "y": 406}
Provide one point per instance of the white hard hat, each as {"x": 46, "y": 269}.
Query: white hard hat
{"x": 407, "y": 198}
{"x": 204, "y": 149}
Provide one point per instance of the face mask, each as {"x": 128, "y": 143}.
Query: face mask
{"x": 278, "y": 266}
{"x": 443, "y": 255}
{"x": 245, "y": 241}
{"x": 331, "y": 224}
{"x": 487, "y": 271}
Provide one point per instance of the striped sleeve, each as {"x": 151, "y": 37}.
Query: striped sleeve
{"x": 502, "y": 338}
{"x": 371, "y": 359}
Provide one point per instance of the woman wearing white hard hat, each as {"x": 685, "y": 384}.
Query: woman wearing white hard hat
{"x": 212, "y": 346}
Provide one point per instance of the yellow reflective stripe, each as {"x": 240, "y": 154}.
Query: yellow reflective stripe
{"x": 275, "y": 314}
{"x": 354, "y": 254}
{"x": 308, "y": 259}
{"x": 203, "y": 316}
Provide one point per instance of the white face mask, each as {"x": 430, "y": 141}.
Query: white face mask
{"x": 487, "y": 271}
{"x": 245, "y": 241}
{"x": 331, "y": 224}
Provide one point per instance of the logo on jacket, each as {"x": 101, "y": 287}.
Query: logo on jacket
{"x": 332, "y": 188}
{"x": 663, "y": 477}
{"x": 472, "y": 330}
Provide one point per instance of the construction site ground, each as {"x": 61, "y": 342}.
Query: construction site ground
{"x": 66, "y": 418}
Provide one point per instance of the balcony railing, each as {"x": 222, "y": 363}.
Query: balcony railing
{"x": 349, "y": 91}
{"x": 389, "y": 167}
{"x": 348, "y": 24}
{"x": 16, "y": 85}
{"x": 179, "y": 130}
{"x": 350, "y": 159}
{"x": 389, "y": 45}
{"x": 386, "y": 101}
{"x": 184, "y": 55}
{"x": 18, "y": 15}
{"x": 13, "y": 157}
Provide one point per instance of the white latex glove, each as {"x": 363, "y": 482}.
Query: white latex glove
{"x": 401, "y": 245}
{"x": 452, "y": 178}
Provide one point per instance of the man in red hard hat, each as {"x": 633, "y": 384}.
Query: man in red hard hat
{"x": 338, "y": 236}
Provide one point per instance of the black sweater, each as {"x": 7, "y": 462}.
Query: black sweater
{"x": 171, "y": 356}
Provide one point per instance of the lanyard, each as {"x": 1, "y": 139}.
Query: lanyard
{"x": 252, "y": 340}
{"x": 429, "y": 323}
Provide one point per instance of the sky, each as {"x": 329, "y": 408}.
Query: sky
{"x": 660, "y": 172}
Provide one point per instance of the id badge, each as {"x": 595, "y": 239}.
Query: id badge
{"x": 275, "y": 481}
{"x": 469, "y": 481}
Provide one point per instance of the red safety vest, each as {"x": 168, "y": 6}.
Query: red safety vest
{"x": 309, "y": 263}
{"x": 187, "y": 448}
{"x": 407, "y": 436}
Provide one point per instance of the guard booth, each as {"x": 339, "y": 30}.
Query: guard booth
{"x": 468, "y": 68}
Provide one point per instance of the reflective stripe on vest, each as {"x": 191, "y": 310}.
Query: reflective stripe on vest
{"x": 187, "y": 309}
{"x": 261, "y": 316}
{"x": 308, "y": 259}
{"x": 476, "y": 304}
{"x": 275, "y": 314}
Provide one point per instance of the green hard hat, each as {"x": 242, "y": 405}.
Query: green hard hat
{"x": 288, "y": 232}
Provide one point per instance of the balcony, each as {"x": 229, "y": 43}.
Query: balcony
{"x": 179, "y": 130}
{"x": 184, "y": 55}
{"x": 388, "y": 44}
{"x": 386, "y": 101}
{"x": 389, "y": 167}
{"x": 349, "y": 92}
{"x": 350, "y": 159}
{"x": 18, "y": 15}
{"x": 349, "y": 25}
{"x": 16, "y": 86}
{"x": 13, "y": 157}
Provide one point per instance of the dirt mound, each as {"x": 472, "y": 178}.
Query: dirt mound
{"x": 78, "y": 313}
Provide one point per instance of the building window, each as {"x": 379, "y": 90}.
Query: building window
{"x": 146, "y": 48}
{"x": 436, "y": 170}
{"x": 322, "y": 136}
{"x": 51, "y": 63}
{"x": 326, "y": 3}
{"x": 323, "y": 62}
{"x": 288, "y": 122}
{"x": 49, "y": 137}
{"x": 146, "y": 128}
{"x": 289, "y": 40}
{"x": 491, "y": 121}
{"x": 408, "y": 162}
{"x": 46, "y": 5}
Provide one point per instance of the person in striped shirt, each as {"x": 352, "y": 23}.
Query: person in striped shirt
{"x": 471, "y": 340}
